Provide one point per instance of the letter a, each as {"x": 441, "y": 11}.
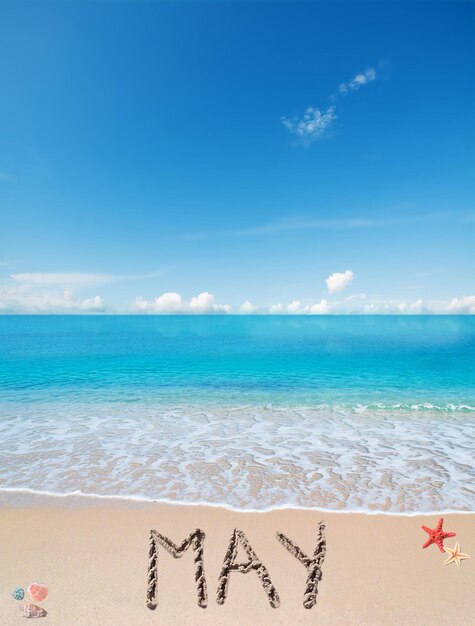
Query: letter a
{"x": 254, "y": 563}
{"x": 196, "y": 540}
{"x": 313, "y": 566}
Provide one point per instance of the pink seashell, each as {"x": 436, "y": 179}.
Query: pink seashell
{"x": 38, "y": 592}
{"x": 31, "y": 610}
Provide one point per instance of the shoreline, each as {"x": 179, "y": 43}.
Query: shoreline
{"x": 95, "y": 558}
{"x": 28, "y": 496}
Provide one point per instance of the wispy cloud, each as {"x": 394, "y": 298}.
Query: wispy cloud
{"x": 77, "y": 278}
{"x": 60, "y": 278}
{"x": 313, "y": 124}
{"x": 315, "y": 121}
{"x": 303, "y": 223}
{"x": 358, "y": 81}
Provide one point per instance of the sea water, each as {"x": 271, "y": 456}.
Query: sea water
{"x": 373, "y": 413}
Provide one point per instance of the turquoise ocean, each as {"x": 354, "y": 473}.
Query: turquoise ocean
{"x": 373, "y": 413}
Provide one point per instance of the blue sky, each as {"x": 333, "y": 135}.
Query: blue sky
{"x": 151, "y": 148}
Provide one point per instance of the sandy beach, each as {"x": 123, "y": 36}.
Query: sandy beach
{"x": 237, "y": 313}
{"x": 94, "y": 559}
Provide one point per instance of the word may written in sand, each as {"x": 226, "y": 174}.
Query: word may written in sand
{"x": 312, "y": 564}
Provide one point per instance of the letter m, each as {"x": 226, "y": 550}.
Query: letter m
{"x": 195, "y": 540}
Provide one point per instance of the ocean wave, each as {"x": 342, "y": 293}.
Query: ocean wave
{"x": 252, "y": 457}
{"x": 404, "y": 406}
{"x": 358, "y": 407}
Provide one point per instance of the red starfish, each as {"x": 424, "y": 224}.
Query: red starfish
{"x": 436, "y": 535}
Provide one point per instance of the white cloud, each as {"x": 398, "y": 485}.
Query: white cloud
{"x": 313, "y": 124}
{"x": 247, "y": 308}
{"x": 358, "y": 81}
{"x": 321, "y": 308}
{"x": 411, "y": 307}
{"x": 18, "y": 300}
{"x": 394, "y": 307}
{"x": 339, "y": 280}
{"x": 360, "y": 304}
{"x": 38, "y": 293}
{"x": 206, "y": 303}
{"x": 456, "y": 306}
{"x": 294, "y": 307}
{"x": 93, "y": 304}
{"x": 465, "y": 305}
{"x": 167, "y": 303}
{"x": 297, "y": 308}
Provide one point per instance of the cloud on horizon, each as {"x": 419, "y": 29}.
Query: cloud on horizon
{"x": 462, "y": 305}
{"x": 297, "y": 308}
{"x": 52, "y": 293}
{"x": 16, "y": 301}
{"x": 39, "y": 293}
{"x": 19, "y": 301}
{"x": 247, "y": 308}
{"x": 173, "y": 303}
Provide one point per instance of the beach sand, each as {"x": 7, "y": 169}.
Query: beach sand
{"x": 94, "y": 560}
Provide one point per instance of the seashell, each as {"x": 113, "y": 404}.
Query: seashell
{"x": 38, "y": 592}
{"x": 18, "y": 593}
{"x": 31, "y": 610}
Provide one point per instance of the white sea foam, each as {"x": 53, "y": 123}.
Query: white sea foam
{"x": 398, "y": 458}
